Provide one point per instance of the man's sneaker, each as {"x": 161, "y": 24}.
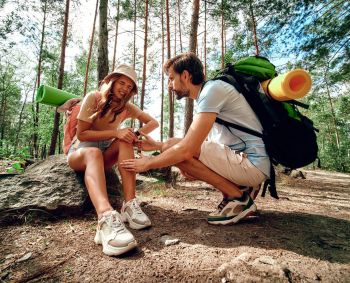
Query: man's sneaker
{"x": 131, "y": 212}
{"x": 252, "y": 191}
{"x": 113, "y": 235}
{"x": 232, "y": 210}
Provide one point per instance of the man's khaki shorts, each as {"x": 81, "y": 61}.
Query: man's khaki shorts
{"x": 230, "y": 164}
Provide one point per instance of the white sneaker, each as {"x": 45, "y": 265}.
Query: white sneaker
{"x": 131, "y": 212}
{"x": 113, "y": 235}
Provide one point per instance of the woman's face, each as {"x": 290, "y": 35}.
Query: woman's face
{"x": 122, "y": 87}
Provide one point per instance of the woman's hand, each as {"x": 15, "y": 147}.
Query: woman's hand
{"x": 149, "y": 143}
{"x": 126, "y": 135}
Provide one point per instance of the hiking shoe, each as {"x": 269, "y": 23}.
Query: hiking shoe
{"x": 131, "y": 212}
{"x": 231, "y": 210}
{"x": 113, "y": 235}
{"x": 252, "y": 191}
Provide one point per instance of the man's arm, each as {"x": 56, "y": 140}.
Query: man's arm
{"x": 184, "y": 150}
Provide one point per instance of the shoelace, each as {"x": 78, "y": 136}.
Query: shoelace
{"x": 114, "y": 222}
{"x": 222, "y": 204}
{"x": 136, "y": 207}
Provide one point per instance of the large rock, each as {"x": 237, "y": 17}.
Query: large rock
{"x": 49, "y": 185}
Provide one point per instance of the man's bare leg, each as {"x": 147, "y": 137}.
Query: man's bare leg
{"x": 199, "y": 171}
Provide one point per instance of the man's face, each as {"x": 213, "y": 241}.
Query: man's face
{"x": 177, "y": 84}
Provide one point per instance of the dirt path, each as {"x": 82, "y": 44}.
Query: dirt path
{"x": 303, "y": 237}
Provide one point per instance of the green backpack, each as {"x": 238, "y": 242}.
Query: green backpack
{"x": 256, "y": 66}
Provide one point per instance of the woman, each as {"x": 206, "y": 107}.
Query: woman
{"x": 101, "y": 144}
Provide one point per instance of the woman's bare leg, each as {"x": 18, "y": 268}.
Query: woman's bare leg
{"x": 117, "y": 152}
{"x": 90, "y": 160}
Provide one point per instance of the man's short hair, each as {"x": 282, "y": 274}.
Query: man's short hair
{"x": 186, "y": 61}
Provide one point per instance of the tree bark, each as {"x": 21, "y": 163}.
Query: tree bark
{"x": 193, "y": 47}
{"x": 162, "y": 96}
{"x": 332, "y": 110}
{"x": 170, "y": 93}
{"x": 20, "y": 121}
{"x": 134, "y": 46}
{"x": 90, "y": 50}
{"x": 222, "y": 35}
{"x": 142, "y": 99}
{"x": 102, "y": 61}
{"x": 38, "y": 81}
{"x": 179, "y": 21}
{"x": 116, "y": 36}
{"x": 255, "y": 37}
{"x": 205, "y": 38}
{"x": 60, "y": 79}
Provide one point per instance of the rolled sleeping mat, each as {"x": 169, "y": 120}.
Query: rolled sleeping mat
{"x": 291, "y": 85}
{"x": 53, "y": 96}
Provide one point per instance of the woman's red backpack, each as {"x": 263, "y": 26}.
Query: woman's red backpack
{"x": 71, "y": 109}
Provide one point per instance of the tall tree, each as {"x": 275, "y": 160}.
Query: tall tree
{"x": 38, "y": 81}
{"x": 116, "y": 35}
{"x": 102, "y": 62}
{"x": 170, "y": 93}
{"x": 162, "y": 75}
{"x": 144, "y": 59}
{"x": 90, "y": 49}
{"x": 222, "y": 35}
{"x": 193, "y": 48}
{"x": 179, "y": 22}
{"x": 255, "y": 37}
{"x": 60, "y": 78}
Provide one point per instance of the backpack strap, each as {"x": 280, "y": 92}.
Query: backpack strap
{"x": 238, "y": 127}
{"x": 270, "y": 184}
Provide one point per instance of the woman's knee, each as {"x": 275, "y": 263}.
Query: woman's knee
{"x": 93, "y": 154}
{"x": 125, "y": 145}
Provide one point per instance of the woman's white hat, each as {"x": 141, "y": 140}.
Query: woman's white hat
{"x": 125, "y": 70}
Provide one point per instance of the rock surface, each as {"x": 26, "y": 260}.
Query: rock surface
{"x": 49, "y": 185}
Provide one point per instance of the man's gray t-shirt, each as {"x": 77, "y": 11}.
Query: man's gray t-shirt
{"x": 222, "y": 98}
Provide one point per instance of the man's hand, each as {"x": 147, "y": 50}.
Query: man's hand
{"x": 126, "y": 135}
{"x": 136, "y": 165}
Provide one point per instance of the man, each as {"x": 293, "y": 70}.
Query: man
{"x": 230, "y": 158}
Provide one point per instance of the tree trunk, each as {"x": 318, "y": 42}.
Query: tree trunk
{"x": 116, "y": 36}
{"x": 179, "y": 22}
{"x": 332, "y": 110}
{"x": 102, "y": 61}
{"x": 134, "y": 97}
{"x": 222, "y": 35}
{"x": 170, "y": 93}
{"x": 205, "y": 38}
{"x": 20, "y": 122}
{"x": 162, "y": 97}
{"x": 134, "y": 46}
{"x": 193, "y": 47}
{"x": 142, "y": 99}
{"x": 38, "y": 81}
{"x": 90, "y": 51}
{"x": 60, "y": 79}
{"x": 2, "y": 116}
{"x": 255, "y": 37}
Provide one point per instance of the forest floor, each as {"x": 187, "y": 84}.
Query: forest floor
{"x": 302, "y": 237}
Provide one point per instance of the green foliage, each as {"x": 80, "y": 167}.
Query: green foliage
{"x": 15, "y": 168}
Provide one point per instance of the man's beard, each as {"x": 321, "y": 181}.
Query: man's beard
{"x": 181, "y": 94}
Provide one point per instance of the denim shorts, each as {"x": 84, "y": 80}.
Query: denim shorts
{"x": 102, "y": 145}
